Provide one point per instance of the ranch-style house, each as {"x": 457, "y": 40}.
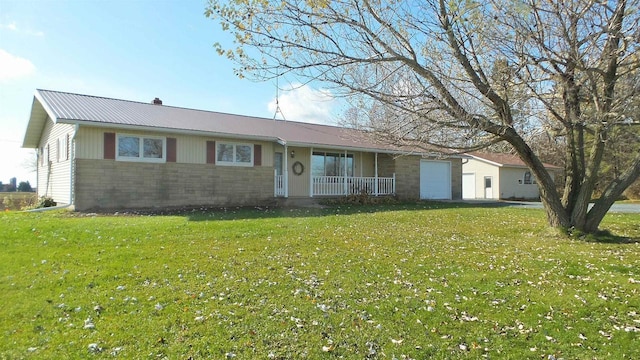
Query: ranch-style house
{"x": 103, "y": 153}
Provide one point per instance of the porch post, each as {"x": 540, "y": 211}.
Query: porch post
{"x": 346, "y": 186}
{"x": 394, "y": 183}
{"x": 286, "y": 171}
{"x": 311, "y": 172}
{"x": 375, "y": 185}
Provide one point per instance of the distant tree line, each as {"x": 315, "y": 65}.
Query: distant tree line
{"x": 23, "y": 186}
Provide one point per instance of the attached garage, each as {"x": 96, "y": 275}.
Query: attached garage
{"x": 435, "y": 180}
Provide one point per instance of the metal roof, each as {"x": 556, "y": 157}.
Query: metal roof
{"x": 505, "y": 160}
{"x": 63, "y": 107}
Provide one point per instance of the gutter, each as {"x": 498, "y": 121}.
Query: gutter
{"x": 71, "y": 165}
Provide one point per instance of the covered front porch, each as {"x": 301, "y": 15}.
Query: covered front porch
{"x": 319, "y": 172}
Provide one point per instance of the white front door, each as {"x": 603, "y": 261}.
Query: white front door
{"x": 488, "y": 187}
{"x": 435, "y": 179}
{"x": 469, "y": 186}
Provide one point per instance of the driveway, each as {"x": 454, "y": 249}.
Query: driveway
{"x": 615, "y": 208}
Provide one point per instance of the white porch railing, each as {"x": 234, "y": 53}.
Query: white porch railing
{"x": 339, "y": 186}
{"x": 279, "y": 188}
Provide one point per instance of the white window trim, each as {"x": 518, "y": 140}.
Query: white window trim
{"x": 234, "y": 163}
{"x": 65, "y": 140}
{"x": 62, "y": 153}
{"x": 141, "y": 149}
{"x": 531, "y": 178}
{"x": 340, "y": 155}
{"x": 42, "y": 155}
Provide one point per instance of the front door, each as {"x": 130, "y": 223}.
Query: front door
{"x": 488, "y": 187}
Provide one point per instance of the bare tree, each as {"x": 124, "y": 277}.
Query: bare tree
{"x": 465, "y": 74}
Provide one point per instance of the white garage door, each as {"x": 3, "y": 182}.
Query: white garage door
{"x": 435, "y": 180}
{"x": 469, "y": 186}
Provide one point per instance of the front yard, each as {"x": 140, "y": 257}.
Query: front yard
{"x": 413, "y": 281}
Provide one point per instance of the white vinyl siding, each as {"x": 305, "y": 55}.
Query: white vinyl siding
{"x": 191, "y": 149}
{"x": 512, "y": 184}
{"x": 299, "y": 184}
{"x": 54, "y": 165}
{"x": 482, "y": 169}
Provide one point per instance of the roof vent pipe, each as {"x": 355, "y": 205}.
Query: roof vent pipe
{"x": 157, "y": 101}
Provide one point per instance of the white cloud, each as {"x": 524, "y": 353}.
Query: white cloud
{"x": 13, "y": 67}
{"x": 14, "y": 27}
{"x": 303, "y": 103}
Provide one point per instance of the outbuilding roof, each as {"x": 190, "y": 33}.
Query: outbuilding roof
{"x": 505, "y": 160}
{"x": 70, "y": 108}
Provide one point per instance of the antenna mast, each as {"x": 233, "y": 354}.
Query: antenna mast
{"x": 278, "y": 109}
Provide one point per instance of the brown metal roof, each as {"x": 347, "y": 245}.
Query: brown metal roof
{"x": 506, "y": 160}
{"x": 106, "y": 112}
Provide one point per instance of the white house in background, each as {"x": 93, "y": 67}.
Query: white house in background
{"x": 96, "y": 152}
{"x": 499, "y": 176}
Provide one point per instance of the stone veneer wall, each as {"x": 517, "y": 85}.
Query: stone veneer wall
{"x": 109, "y": 184}
{"x": 456, "y": 179}
{"x": 407, "y": 170}
{"x": 386, "y": 165}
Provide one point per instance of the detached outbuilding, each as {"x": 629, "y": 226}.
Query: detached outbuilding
{"x": 499, "y": 176}
{"x": 96, "y": 152}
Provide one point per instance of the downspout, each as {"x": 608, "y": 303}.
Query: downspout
{"x": 39, "y": 161}
{"x": 72, "y": 154}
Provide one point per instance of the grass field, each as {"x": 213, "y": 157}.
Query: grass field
{"x": 10, "y": 201}
{"x": 415, "y": 281}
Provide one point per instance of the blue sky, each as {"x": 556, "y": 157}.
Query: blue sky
{"x": 135, "y": 50}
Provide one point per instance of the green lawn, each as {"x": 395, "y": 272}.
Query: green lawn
{"x": 395, "y": 282}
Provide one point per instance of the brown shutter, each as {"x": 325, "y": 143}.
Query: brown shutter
{"x": 257, "y": 155}
{"x": 211, "y": 152}
{"x": 171, "y": 149}
{"x": 109, "y": 145}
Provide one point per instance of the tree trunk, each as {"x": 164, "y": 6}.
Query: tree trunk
{"x": 556, "y": 214}
{"x": 610, "y": 195}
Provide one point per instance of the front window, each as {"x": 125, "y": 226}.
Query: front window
{"x": 234, "y": 154}
{"x": 152, "y": 148}
{"x": 331, "y": 164}
{"x": 527, "y": 177}
{"x": 140, "y": 148}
